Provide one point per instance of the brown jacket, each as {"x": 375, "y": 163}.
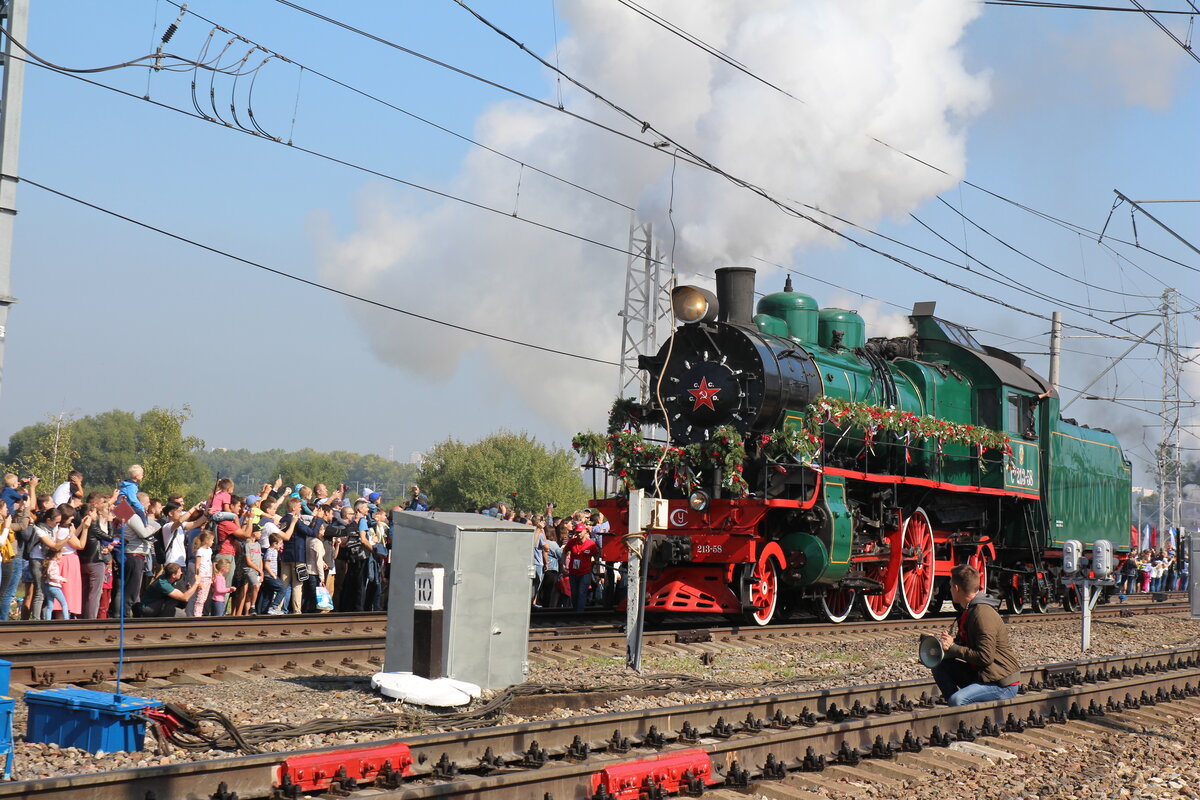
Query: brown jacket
{"x": 983, "y": 643}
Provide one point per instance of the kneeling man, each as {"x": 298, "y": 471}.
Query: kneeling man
{"x": 980, "y": 664}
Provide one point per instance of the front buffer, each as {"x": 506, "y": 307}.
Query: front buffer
{"x": 709, "y": 562}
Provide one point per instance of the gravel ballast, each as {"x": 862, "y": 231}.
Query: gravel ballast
{"x": 820, "y": 662}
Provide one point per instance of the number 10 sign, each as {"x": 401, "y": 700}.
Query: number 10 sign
{"x": 429, "y": 582}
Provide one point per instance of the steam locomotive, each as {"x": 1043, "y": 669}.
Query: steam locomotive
{"x": 924, "y": 451}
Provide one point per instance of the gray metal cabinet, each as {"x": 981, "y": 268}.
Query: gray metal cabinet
{"x": 488, "y": 566}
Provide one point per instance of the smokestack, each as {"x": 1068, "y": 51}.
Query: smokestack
{"x": 735, "y": 295}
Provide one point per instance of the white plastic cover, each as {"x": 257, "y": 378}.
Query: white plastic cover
{"x": 443, "y": 692}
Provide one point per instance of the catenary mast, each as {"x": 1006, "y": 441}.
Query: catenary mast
{"x": 14, "y": 19}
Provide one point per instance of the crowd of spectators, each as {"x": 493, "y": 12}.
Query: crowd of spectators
{"x": 1153, "y": 571}
{"x": 277, "y": 551}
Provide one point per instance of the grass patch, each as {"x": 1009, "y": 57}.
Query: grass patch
{"x": 837, "y": 655}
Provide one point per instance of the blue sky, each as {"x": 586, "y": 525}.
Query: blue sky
{"x": 1053, "y": 109}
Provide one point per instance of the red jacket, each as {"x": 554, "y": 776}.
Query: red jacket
{"x": 578, "y": 555}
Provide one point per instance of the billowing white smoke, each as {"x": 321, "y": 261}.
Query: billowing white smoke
{"x": 889, "y": 70}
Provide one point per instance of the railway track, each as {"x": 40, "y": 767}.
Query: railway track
{"x": 572, "y": 642}
{"x": 206, "y": 649}
{"x": 190, "y": 649}
{"x": 806, "y": 738}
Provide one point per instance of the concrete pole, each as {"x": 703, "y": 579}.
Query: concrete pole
{"x": 635, "y": 580}
{"x": 1055, "y": 348}
{"x": 14, "y": 16}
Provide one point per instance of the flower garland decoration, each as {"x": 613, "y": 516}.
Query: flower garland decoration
{"x": 906, "y": 426}
{"x": 593, "y": 446}
{"x": 625, "y": 413}
{"x": 627, "y": 452}
{"x": 801, "y": 445}
{"x": 725, "y": 450}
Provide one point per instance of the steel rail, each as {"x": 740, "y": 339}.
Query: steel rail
{"x": 597, "y": 638}
{"x": 753, "y": 734}
{"x": 85, "y": 652}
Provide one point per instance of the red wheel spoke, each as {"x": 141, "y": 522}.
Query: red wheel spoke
{"x": 917, "y": 577}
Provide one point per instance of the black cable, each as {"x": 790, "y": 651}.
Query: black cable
{"x": 562, "y": 231}
{"x": 705, "y": 46}
{"x": 740, "y": 182}
{"x": 466, "y": 74}
{"x": 691, "y": 156}
{"x": 1041, "y": 264}
{"x": 1077, "y": 6}
{"x": 353, "y": 165}
{"x": 1182, "y": 44}
{"x": 406, "y": 112}
{"x": 137, "y": 62}
{"x": 1071, "y": 226}
{"x": 785, "y": 207}
{"x": 306, "y": 281}
{"x": 724, "y": 57}
{"x": 1011, "y": 283}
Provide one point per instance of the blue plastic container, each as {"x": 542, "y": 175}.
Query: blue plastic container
{"x": 6, "y": 736}
{"x": 86, "y": 719}
{"x": 5, "y": 676}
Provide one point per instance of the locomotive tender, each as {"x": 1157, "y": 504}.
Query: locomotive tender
{"x": 872, "y": 514}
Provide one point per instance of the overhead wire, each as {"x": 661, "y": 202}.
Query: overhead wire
{"x": 406, "y": 112}
{"x": 1079, "y": 6}
{"x": 789, "y": 209}
{"x": 727, "y": 59}
{"x": 689, "y": 156}
{"x": 358, "y": 167}
{"x": 1010, "y": 282}
{"x": 472, "y": 75}
{"x": 184, "y": 64}
{"x": 352, "y": 165}
{"x": 1171, "y": 34}
{"x": 306, "y": 281}
{"x": 1028, "y": 257}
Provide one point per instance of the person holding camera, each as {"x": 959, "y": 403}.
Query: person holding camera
{"x": 979, "y": 663}
{"x": 419, "y": 501}
{"x": 16, "y": 534}
{"x": 162, "y": 597}
{"x": 71, "y": 487}
{"x": 293, "y": 565}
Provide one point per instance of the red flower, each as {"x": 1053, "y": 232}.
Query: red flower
{"x": 739, "y": 469}
{"x": 621, "y": 473}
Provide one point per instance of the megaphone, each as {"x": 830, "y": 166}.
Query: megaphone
{"x": 930, "y": 652}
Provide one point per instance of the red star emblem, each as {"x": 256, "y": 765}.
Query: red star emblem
{"x": 704, "y": 395}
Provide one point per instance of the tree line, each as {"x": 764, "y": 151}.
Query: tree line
{"x": 511, "y": 467}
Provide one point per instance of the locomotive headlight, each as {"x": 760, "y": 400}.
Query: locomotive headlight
{"x": 693, "y": 304}
{"x": 698, "y": 500}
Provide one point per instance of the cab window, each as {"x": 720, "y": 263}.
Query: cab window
{"x": 1022, "y": 415}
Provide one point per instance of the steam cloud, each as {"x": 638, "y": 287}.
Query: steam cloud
{"x": 889, "y": 70}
